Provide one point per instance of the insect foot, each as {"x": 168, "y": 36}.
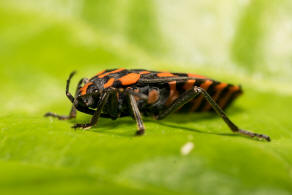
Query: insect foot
{"x": 82, "y": 126}
{"x": 53, "y": 115}
{"x": 251, "y": 134}
{"x": 140, "y": 132}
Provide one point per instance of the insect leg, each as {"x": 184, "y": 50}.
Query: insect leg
{"x": 179, "y": 102}
{"x": 68, "y": 94}
{"x": 137, "y": 115}
{"x": 165, "y": 80}
{"x": 189, "y": 95}
{"x": 222, "y": 114}
{"x": 72, "y": 113}
{"x": 102, "y": 101}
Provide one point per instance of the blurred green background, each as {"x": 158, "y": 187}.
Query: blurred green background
{"x": 246, "y": 42}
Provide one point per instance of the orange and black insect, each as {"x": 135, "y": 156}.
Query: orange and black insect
{"x": 120, "y": 92}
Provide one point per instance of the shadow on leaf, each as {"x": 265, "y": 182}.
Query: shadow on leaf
{"x": 107, "y": 125}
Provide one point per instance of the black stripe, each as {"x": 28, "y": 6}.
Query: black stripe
{"x": 232, "y": 98}
{"x": 180, "y": 88}
{"x": 180, "y": 74}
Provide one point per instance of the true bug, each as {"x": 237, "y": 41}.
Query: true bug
{"x": 120, "y": 92}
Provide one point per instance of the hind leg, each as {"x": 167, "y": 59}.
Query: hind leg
{"x": 191, "y": 94}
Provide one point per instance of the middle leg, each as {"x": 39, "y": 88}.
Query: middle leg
{"x": 137, "y": 115}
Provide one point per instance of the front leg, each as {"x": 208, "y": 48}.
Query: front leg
{"x": 102, "y": 101}
{"x": 73, "y": 111}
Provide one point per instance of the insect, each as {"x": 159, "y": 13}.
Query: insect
{"x": 121, "y": 92}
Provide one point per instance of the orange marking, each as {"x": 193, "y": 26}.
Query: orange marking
{"x": 100, "y": 73}
{"x": 144, "y": 72}
{"x": 173, "y": 93}
{"x": 153, "y": 96}
{"x": 236, "y": 88}
{"x": 206, "y": 84}
{"x": 189, "y": 84}
{"x": 130, "y": 79}
{"x": 197, "y": 102}
{"x": 165, "y": 74}
{"x": 136, "y": 97}
{"x": 230, "y": 92}
{"x": 109, "y": 83}
{"x": 219, "y": 88}
{"x": 197, "y": 76}
{"x": 114, "y": 71}
{"x": 83, "y": 90}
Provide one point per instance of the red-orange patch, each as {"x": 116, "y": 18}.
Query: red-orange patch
{"x": 109, "y": 83}
{"x": 83, "y": 90}
{"x": 206, "y": 84}
{"x": 221, "y": 86}
{"x": 153, "y": 96}
{"x": 165, "y": 74}
{"x": 144, "y": 72}
{"x": 189, "y": 84}
{"x": 136, "y": 91}
{"x": 197, "y": 76}
{"x": 174, "y": 94}
{"x": 130, "y": 79}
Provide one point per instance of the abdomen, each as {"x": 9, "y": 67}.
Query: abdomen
{"x": 162, "y": 96}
